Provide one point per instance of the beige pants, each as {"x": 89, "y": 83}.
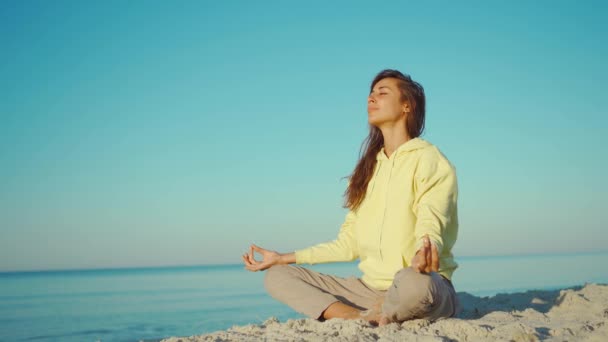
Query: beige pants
{"x": 412, "y": 295}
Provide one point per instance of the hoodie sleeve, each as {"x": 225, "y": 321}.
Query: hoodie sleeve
{"x": 436, "y": 193}
{"x": 343, "y": 248}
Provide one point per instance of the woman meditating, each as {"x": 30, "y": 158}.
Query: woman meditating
{"x": 402, "y": 224}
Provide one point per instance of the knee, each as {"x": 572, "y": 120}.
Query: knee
{"x": 410, "y": 296}
{"x": 275, "y": 277}
{"x": 413, "y": 286}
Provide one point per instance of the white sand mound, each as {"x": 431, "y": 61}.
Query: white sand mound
{"x": 573, "y": 314}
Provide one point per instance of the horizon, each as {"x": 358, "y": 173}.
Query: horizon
{"x": 355, "y": 262}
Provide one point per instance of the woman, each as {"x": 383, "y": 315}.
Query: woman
{"x": 402, "y": 224}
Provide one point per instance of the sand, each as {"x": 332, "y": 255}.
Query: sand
{"x": 572, "y": 314}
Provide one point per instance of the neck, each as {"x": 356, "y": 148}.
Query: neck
{"x": 393, "y": 139}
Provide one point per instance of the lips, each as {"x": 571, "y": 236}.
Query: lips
{"x": 369, "y": 109}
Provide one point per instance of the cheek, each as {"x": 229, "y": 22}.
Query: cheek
{"x": 390, "y": 103}
{"x": 393, "y": 108}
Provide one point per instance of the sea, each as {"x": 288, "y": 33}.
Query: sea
{"x": 152, "y": 303}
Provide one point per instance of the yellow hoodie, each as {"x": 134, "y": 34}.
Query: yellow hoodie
{"x": 412, "y": 193}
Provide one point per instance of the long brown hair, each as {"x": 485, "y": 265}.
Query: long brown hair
{"x": 412, "y": 93}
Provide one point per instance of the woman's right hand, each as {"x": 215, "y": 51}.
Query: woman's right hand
{"x": 269, "y": 258}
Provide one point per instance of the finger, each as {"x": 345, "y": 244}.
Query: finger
{"x": 422, "y": 260}
{"x": 248, "y": 267}
{"x": 434, "y": 258}
{"x": 246, "y": 260}
{"x": 257, "y": 248}
{"x": 427, "y": 258}
{"x": 252, "y": 261}
{"x": 428, "y": 253}
{"x": 246, "y": 255}
{"x": 251, "y": 255}
{"x": 419, "y": 267}
{"x": 415, "y": 265}
{"x": 258, "y": 267}
{"x": 251, "y": 267}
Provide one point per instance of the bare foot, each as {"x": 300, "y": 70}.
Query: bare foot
{"x": 381, "y": 319}
{"x": 374, "y": 315}
{"x": 384, "y": 320}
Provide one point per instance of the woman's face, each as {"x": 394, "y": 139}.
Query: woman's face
{"x": 384, "y": 103}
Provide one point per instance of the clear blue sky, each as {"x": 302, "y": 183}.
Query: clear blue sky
{"x": 149, "y": 133}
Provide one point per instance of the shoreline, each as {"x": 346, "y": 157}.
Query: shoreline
{"x": 573, "y": 313}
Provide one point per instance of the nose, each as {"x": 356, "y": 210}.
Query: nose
{"x": 371, "y": 99}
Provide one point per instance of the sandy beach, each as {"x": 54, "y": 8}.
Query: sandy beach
{"x": 571, "y": 314}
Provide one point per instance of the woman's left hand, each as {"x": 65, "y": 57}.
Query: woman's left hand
{"x": 426, "y": 259}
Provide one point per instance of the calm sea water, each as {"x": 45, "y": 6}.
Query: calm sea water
{"x": 153, "y": 303}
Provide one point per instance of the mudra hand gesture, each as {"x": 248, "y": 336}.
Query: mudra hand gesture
{"x": 426, "y": 259}
{"x": 269, "y": 258}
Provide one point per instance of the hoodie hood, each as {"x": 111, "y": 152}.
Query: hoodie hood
{"x": 410, "y": 145}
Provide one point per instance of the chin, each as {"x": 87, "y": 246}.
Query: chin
{"x": 374, "y": 121}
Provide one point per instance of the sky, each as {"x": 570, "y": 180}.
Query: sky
{"x": 158, "y": 133}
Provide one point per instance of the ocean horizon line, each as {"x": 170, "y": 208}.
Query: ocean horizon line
{"x": 234, "y": 265}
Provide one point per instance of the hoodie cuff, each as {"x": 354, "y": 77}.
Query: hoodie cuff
{"x": 303, "y": 256}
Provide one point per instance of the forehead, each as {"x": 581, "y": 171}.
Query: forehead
{"x": 386, "y": 82}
